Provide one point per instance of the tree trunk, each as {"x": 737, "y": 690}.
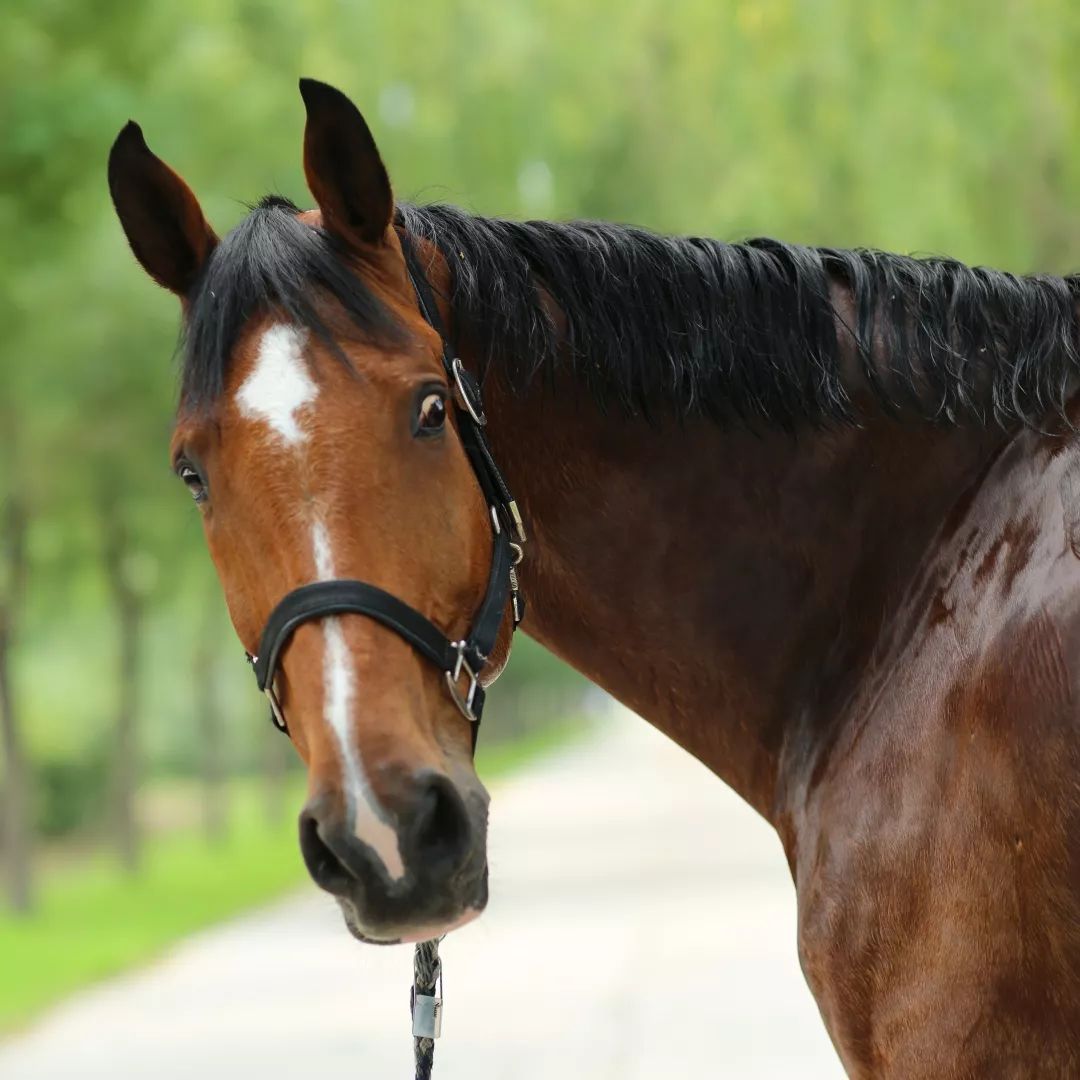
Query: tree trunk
{"x": 212, "y": 754}
{"x": 16, "y": 818}
{"x": 128, "y": 606}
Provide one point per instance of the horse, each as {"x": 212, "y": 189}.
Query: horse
{"x": 813, "y": 513}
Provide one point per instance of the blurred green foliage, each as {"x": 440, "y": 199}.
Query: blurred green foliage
{"x": 67, "y": 789}
{"x": 913, "y": 125}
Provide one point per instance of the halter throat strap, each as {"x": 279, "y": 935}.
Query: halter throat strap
{"x": 462, "y": 661}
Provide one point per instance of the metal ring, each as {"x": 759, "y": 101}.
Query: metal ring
{"x": 464, "y": 704}
{"x": 468, "y": 395}
{"x": 277, "y": 714}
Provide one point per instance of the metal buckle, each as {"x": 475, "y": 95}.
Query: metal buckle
{"x": 517, "y": 606}
{"x": 468, "y": 393}
{"x": 277, "y": 714}
{"x": 464, "y": 704}
{"x": 519, "y": 524}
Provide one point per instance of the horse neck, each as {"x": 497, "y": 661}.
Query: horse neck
{"x": 721, "y": 584}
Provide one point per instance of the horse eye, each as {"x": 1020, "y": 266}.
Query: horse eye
{"x": 432, "y": 414}
{"x": 193, "y": 481}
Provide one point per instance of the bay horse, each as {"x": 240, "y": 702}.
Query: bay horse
{"x": 813, "y": 513}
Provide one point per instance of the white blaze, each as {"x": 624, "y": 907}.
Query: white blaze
{"x": 279, "y": 385}
{"x": 277, "y": 389}
{"x": 339, "y": 692}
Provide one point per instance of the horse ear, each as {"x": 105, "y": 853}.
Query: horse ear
{"x": 343, "y": 168}
{"x": 161, "y": 217}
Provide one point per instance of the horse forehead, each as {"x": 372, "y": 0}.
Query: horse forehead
{"x": 278, "y": 387}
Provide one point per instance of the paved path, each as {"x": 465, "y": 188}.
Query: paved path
{"x": 641, "y": 927}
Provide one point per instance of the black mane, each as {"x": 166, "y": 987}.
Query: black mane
{"x": 270, "y": 261}
{"x": 656, "y": 324}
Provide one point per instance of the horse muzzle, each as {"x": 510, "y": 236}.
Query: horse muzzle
{"x": 416, "y": 877}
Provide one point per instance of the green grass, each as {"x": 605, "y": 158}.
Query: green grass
{"x": 92, "y": 921}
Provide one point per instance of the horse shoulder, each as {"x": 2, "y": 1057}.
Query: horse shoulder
{"x": 938, "y": 849}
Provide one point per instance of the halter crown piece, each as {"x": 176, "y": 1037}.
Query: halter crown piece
{"x": 462, "y": 662}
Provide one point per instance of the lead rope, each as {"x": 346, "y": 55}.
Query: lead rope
{"x": 425, "y": 1003}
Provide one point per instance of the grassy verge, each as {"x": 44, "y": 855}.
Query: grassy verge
{"x": 93, "y": 921}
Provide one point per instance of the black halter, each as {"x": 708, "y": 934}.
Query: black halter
{"x": 458, "y": 660}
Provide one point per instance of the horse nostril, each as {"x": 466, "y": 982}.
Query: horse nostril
{"x": 441, "y": 829}
{"x": 327, "y": 870}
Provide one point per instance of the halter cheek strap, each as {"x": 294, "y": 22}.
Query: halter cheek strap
{"x": 462, "y": 662}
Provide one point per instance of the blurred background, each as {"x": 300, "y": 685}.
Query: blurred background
{"x": 136, "y": 762}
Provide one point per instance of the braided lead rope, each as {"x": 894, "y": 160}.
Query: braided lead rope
{"x": 426, "y": 993}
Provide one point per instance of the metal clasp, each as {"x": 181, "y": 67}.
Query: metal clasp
{"x": 467, "y": 392}
{"x": 464, "y": 704}
{"x": 427, "y": 1011}
{"x": 519, "y": 524}
{"x": 277, "y": 714}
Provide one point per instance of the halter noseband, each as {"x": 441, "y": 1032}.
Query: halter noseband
{"x": 456, "y": 659}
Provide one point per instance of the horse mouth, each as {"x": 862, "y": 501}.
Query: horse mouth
{"x": 422, "y": 928}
